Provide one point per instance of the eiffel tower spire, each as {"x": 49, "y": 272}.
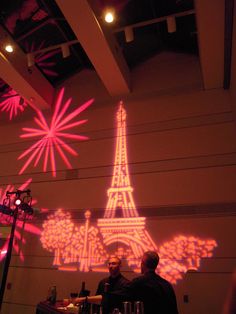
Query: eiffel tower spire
{"x": 128, "y": 231}
{"x": 120, "y": 193}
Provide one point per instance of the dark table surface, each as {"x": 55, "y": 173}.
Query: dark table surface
{"x": 45, "y": 307}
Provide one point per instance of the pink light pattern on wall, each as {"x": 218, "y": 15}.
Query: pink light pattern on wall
{"x": 13, "y": 103}
{"x": 182, "y": 254}
{"x": 72, "y": 245}
{"x": 51, "y": 135}
{"x": 42, "y": 59}
{"x": 120, "y": 193}
{"x": 81, "y": 247}
{"x": 7, "y": 221}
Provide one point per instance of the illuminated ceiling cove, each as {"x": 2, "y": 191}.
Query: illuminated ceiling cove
{"x": 87, "y": 247}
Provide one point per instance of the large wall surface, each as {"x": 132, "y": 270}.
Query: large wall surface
{"x": 181, "y": 152}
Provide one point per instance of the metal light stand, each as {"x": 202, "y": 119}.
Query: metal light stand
{"x": 10, "y": 244}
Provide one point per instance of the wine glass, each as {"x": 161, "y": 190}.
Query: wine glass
{"x": 127, "y": 307}
{"x": 138, "y": 307}
{"x": 73, "y": 296}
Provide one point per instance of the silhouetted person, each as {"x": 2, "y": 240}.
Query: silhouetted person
{"x": 110, "y": 291}
{"x": 111, "y": 287}
{"x": 155, "y": 292}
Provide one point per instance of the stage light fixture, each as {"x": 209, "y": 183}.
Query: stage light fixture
{"x": 26, "y": 208}
{"x": 18, "y": 201}
{"x": 13, "y": 207}
{"x": 6, "y": 210}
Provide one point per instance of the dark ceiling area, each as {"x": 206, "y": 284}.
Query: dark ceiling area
{"x": 38, "y": 24}
{"x": 154, "y": 38}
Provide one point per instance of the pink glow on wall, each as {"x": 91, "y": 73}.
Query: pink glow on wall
{"x": 87, "y": 247}
{"x": 13, "y": 103}
{"x": 52, "y": 135}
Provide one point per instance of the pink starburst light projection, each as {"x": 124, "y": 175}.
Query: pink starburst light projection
{"x": 7, "y": 220}
{"x": 52, "y": 134}
{"x": 12, "y": 103}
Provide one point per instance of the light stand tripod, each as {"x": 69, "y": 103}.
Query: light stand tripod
{"x": 23, "y": 204}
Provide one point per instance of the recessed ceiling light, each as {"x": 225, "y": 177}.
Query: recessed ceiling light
{"x": 9, "y": 48}
{"x": 109, "y": 17}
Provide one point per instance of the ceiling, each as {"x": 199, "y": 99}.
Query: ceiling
{"x": 36, "y": 25}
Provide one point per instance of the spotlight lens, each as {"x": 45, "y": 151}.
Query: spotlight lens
{"x": 9, "y": 48}
{"x": 17, "y": 202}
{"x": 109, "y": 17}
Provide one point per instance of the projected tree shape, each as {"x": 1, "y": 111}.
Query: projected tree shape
{"x": 13, "y": 103}
{"x": 52, "y": 134}
{"x": 73, "y": 244}
{"x": 57, "y": 233}
{"x": 183, "y": 253}
{"x": 20, "y": 224}
{"x": 121, "y": 231}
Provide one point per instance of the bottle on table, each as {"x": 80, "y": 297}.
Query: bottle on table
{"x": 52, "y": 295}
{"x": 82, "y": 291}
{"x": 84, "y": 308}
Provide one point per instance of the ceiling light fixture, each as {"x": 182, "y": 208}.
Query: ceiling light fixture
{"x": 171, "y": 24}
{"x": 65, "y": 50}
{"x": 170, "y": 19}
{"x": 109, "y": 16}
{"x": 129, "y": 34}
{"x": 30, "y": 59}
{"x": 9, "y": 48}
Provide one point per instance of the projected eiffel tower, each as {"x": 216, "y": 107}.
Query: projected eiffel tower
{"x": 121, "y": 225}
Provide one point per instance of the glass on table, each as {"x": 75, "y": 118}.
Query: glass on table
{"x": 65, "y": 302}
{"x": 138, "y": 307}
{"x": 127, "y": 307}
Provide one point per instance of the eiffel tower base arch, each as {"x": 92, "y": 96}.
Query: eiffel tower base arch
{"x": 132, "y": 236}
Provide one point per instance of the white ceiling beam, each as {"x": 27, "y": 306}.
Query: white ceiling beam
{"x": 210, "y": 26}
{"x": 30, "y": 84}
{"x": 101, "y": 49}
